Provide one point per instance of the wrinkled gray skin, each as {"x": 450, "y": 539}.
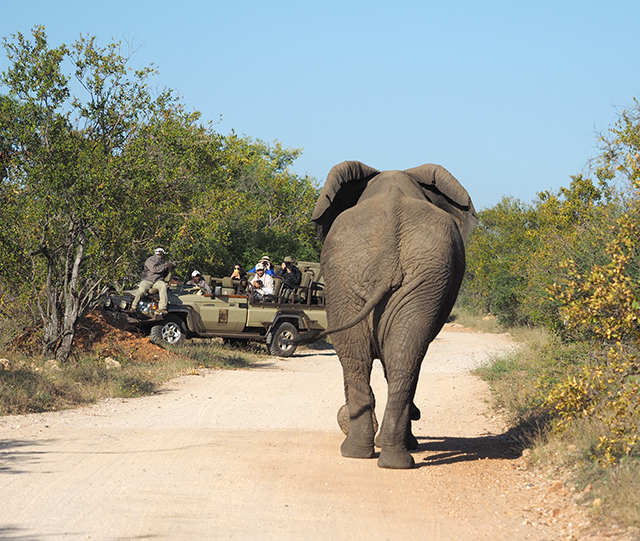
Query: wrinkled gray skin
{"x": 392, "y": 262}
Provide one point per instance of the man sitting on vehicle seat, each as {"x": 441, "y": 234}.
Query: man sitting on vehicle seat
{"x": 262, "y": 283}
{"x": 291, "y": 278}
{"x": 153, "y": 274}
{"x": 199, "y": 281}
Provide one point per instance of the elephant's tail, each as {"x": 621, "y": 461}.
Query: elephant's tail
{"x": 313, "y": 335}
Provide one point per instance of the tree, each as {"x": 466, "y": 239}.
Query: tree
{"x": 600, "y": 296}
{"x": 495, "y": 275}
{"x": 87, "y": 182}
{"x": 256, "y": 206}
{"x": 517, "y": 252}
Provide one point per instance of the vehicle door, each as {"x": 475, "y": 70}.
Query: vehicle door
{"x": 223, "y": 312}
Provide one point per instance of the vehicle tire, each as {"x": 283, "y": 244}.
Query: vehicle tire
{"x": 171, "y": 331}
{"x": 284, "y": 331}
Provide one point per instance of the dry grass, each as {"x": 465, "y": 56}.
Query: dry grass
{"x": 30, "y": 386}
{"x": 482, "y": 323}
{"x": 616, "y": 487}
{"x": 518, "y": 382}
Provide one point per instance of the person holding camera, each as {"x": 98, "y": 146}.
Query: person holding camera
{"x": 153, "y": 275}
{"x": 291, "y": 278}
{"x": 262, "y": 284}
{"x": 266, "y": 263}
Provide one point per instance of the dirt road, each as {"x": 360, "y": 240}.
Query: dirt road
{"x": 254, "y": 454}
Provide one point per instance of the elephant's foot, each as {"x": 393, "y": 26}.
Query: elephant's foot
{"x": 411, "y": 443}
{"x": 343, "y": 418}
{"x": 396, "y": 459}
{"x": 352, "y": 449}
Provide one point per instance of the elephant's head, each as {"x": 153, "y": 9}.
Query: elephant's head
{"x": 347, "y": 181}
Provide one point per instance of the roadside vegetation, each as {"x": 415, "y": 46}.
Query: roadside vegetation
{"x": 565, "y": 268}
{"x": 35, "y": 385}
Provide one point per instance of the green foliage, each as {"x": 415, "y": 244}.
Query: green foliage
{"x": 258, "y": 206}
{"x": 91, "y": 183}
{"x": 516, "y": 253}
{"x": 493, "y": 260}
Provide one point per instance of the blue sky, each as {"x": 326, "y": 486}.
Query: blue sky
{"x": 507, "y": 95}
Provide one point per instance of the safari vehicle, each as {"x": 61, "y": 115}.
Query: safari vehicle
{"x": 231, "y": 313}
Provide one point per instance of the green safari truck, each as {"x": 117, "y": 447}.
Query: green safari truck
{"x": 231, "y": 313}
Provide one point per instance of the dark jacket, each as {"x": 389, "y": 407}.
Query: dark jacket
{"x": 156, "y": 269}
{"x": 290, "y": 279}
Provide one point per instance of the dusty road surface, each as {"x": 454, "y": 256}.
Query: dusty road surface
{"x": 254, "y": 454}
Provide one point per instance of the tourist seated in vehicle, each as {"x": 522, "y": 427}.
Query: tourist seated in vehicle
{"x": 239, "y": 279}
{"x": 199, "y": 281}
{"x": 262, "y": 284}
{"x": 266, "y": 263}
{"x": 291, "y": 278}
{"x": 153, "y": 275}
{"x": 238, "y": 273}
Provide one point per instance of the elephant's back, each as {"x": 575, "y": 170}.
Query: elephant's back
{"x": 389, "y": 239}
{"x": 353, "y": 257}
{"x": 356, "y": 241}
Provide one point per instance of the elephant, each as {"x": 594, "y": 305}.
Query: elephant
{"x": 392, "y": 261}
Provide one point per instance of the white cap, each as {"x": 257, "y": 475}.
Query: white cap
{"x": 159, "y": 251}
{"x": 195, "y": 273}
{"x": 259, "y": 266}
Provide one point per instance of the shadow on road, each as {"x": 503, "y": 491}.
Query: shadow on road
{"x": 12, "y": 532}
{"x": 315, "y": 354}
{"x": 450, "y": 450}
{"x": 14, "y": 453}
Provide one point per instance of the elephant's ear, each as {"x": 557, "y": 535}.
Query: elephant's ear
{"x": 444, "y": 191}
{"x": 342, "y": 189}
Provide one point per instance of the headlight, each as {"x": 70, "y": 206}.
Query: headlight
{"x": 123, "y": 304}
{"x": 107, "y": 302}
{"x": 147, "y": 307}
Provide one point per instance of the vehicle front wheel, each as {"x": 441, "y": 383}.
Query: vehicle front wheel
{"x": 171, "y": 331}
{"x": 280, "y": 343}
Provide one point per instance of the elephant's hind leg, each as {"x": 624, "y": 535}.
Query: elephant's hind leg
{"x": 395, "y": 438}
{"x": 359, "y": 440}
{"x": 403, "y": 356}
{"x": 411, "y": 442}
{"x": 356, "y": 367}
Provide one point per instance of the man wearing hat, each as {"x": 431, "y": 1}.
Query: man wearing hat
{"x": 198, "y": 280}
{"x": 153, "y": 274}
{"x": 291, "y": 277}
{"x": 266, "y": 263}
{"x": 262, "y": 284}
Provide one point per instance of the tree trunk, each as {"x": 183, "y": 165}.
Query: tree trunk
{"x": 71, "y": 298}
{"x": 50, "y": 313}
